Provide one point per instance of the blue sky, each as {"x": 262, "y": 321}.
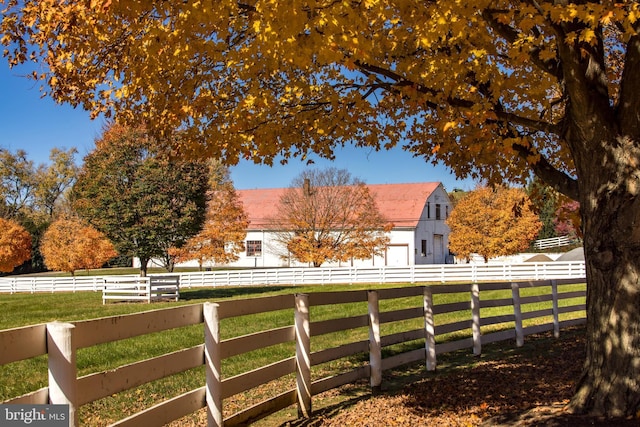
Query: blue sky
{"x": 37, "y": 125}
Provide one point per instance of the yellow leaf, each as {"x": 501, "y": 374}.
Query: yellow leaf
{"x": 589, "y": 36}
{"x": 449, "y": 125}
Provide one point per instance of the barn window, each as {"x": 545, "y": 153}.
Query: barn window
{"x": 254, "y": 247}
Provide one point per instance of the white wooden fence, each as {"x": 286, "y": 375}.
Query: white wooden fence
{"x": 61, "y": 341}
{"x": 553, "y": 242}
{"x": 147, "y": 289}
{"x": 442, "y": 273}
{"x": 33, "y": 284}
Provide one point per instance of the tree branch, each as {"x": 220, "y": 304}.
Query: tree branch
{"x": 553, "y": 177}
{"x": 538, "y": 125}
{"x": 510, "y": 34}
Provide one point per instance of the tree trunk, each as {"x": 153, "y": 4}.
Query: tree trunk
{"x": 610, "y": 384}
{"x": 144, "y": 262}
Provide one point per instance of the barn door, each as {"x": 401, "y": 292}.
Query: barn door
{"x": 438, "y": 249}
{"x": 397, "y": 255}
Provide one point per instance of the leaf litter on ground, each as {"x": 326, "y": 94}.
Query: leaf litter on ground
{"x": 505, "y": 386}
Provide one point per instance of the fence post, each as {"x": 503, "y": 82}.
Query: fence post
{"x": 517, "y": 313}
{"x": 148, "y": 286}
{"x": 375, "y": 348}
{"x": 475, "y": 316}
{"x": 63, "y": 371}
{"x": 429, "y": 329}
{"x": 303, "y": 355}
{"x": 555, "y": 309}
{"x": 212, "y": 363}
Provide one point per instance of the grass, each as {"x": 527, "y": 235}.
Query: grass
{"x": 27, "y": 309}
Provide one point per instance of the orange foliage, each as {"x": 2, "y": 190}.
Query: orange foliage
{"x": 69, "y": 244}
{"x": 222, "y": 236}
{"x": 336, "y": 220}
{"x": 492, "y": 223}
{"x": 15, "y": 245}
{"x": 568, "y": 221}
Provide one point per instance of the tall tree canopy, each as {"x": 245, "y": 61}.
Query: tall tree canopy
{"x": 31, "y": 193}
{"x": 17, "y": 184}
{"x": 494, "y": 89}
{"x": 55, "y": 180}
{"x": 327, "y": 215}
{"x": 142, "y": 200}
{"x": 492, "y": 223}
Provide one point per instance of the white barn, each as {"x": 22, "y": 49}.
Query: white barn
{"x": 419, "y": 235}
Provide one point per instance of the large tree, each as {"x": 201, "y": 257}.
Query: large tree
{"x": 492, "y": 222}
{"x": 54, "y": 180}
{"x": 144, "y": 201}
{"x": 494, "y": 89}
{"x": 327, "y": 215}
{"x": 17, "y": 184}
{"x": 30, "y": 193}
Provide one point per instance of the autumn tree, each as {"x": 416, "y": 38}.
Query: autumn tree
{"x": 70, "y": 244}
{"x": 545, "y": 201}
{"x": 559, "y": 214}
{"x": 17, "y": 184}
{"x": 493, "y": 89}
{"x": 55, "y": 180}
{"x": 567, "y": 221}
{"x": 30, "y": 192}
{"x": 327, "y": 215}
{"x": 492, "y": 223}
{"x": 15, "y": 245}
{"x": 144, "y": 201}
{"x": 33, "y": 194}
{"x": 222, "y": 235}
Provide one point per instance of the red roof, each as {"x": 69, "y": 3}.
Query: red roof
{"x": 401, "y": 204}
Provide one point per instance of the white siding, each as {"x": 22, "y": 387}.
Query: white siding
{"x": 429, "y": 227}
{"x": 405, "y": 246}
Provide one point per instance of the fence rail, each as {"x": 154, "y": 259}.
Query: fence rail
{"x": 442, "y": 273}
{"x": 553, "y": 242}
{"x": 61, "y": 341}
{"x": 147, "y": 289}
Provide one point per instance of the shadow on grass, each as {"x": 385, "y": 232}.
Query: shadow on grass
{"x": 220, "y": 293}
{"x": 506, "y": 386}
